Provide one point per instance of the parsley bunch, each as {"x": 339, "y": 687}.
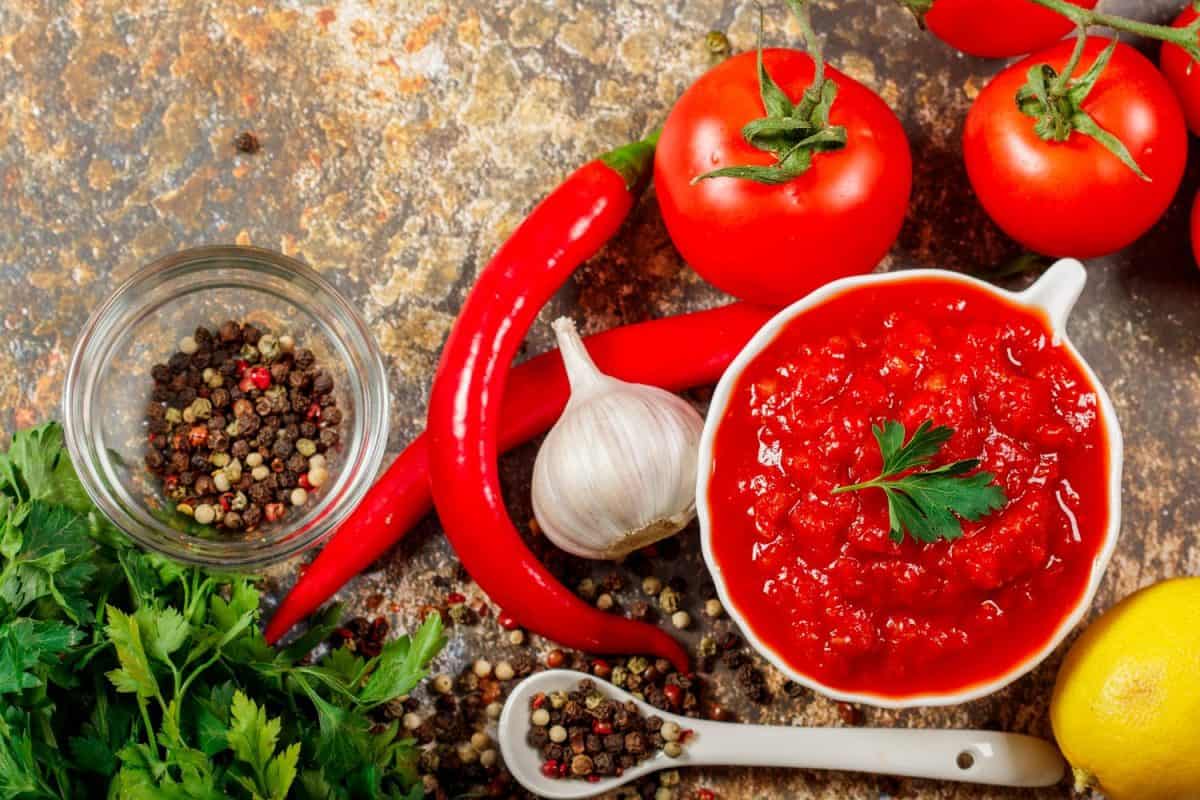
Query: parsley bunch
{"x": 128, "y": 675}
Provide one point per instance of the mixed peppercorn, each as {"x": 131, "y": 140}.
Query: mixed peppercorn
{"x": 583, "y": 734}
{"x": 241, "y": 426}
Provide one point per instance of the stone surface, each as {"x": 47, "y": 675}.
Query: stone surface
{"x": 403, "y": 139}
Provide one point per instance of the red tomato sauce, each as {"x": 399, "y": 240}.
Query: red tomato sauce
{"x": 816, "y": 575}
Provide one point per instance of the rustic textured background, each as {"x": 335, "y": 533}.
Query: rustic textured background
{"x": 402, "y": 140}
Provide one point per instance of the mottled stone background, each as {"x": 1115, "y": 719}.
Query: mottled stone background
{"x": 402, "y": 140}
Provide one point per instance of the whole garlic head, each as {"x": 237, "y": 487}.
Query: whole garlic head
{"x": 618, "y": 470}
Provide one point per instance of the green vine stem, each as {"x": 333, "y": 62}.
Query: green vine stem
{"x": 1187, "y": 37}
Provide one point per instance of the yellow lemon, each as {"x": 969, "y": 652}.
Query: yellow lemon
{"x": 1126, "y": 707}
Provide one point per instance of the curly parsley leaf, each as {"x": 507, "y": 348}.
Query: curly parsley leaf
{"x": 929, "y": 504}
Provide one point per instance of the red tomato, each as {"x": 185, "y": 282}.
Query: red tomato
{"x": 1196, "y": 229}
{"x": 998, "y": 28}
{"x": 1182, "y": 75}
{"x": 1075, "y": 198}
{"x": 775, "y": 244}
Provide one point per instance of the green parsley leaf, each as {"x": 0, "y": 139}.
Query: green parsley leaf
{"x": 929, "y": 505}
{"x": 25, "y": 643}
{"x": 253, "y": 737}
{"x": 52, "y": 558}
{"x": 402, "y": 664}
{"x": 36, "y": 467}
{"x": 135, "y": 674}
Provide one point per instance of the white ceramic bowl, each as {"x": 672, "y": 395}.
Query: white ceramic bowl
{"x": 1054, "y": 294}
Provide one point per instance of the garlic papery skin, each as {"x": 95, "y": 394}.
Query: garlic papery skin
{"x": 618, "y": 470}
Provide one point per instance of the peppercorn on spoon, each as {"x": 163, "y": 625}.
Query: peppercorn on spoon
{"x": 1000, "y": 759}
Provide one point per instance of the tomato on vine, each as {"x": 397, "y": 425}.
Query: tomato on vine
{"x": 1079, "y": 164}
{"x": 776, "y": 174}
{"x": 1182, "y": 72}
{"x": 995, "y": 28}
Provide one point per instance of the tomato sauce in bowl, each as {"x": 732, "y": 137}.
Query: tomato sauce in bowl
{"x": 816, "y": 577}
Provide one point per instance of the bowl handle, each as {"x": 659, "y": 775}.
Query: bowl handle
{"x": 1057, "y": 290}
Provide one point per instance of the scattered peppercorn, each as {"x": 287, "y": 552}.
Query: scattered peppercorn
{"x": 246, "y": 142}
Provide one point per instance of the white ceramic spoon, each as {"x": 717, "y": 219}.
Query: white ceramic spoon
{"x": 1001, "y": 759}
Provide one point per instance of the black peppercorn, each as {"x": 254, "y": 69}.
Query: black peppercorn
{"x": 240, "y": 449}
{"x": 329, "y": 438}
{"x": 252, "y": 516}
{"x": 322, "y": 383}
{"x": 283, "y": 448}
{"x": 305, "y": 359}
{"x": 161, "y": 373}
{"x": 230, "y": 332}
{"x": 232, "y": 520}
{"x": 154, "y": 460}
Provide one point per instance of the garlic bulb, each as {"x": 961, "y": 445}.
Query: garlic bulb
{"x": 618, "y": 470}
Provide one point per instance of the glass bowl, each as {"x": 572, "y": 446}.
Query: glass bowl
{"x": 108, "y": 389}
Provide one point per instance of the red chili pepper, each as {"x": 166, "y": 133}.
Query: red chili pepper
{"x": 674, "y": 694}
{"x": 601, "y": 728}
{"x": 242, "y": 366}
{"x": 562, "y": 232}
{"x": 304, "y": 482}
{"x": 313, "y": 413}
{"x": 539, "y": 700}
{"x": 550, "y": 769}
{"x": 507, "y": 622}
{"x": 456, "y": 598}
{"x": 675, "y": 353}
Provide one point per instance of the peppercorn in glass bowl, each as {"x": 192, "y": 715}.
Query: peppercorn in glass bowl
{"x": 110, "y": 386}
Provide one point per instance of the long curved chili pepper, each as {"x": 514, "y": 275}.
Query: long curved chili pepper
{"x": 562, "y": 232}
{"x": 675, "y": 353}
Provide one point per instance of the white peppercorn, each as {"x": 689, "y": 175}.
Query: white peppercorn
{"x": 712, "y": 607}
{"x": 442, "y": 684}
{"x": 504, "y": 671}
{"x": 299, "y": 496}
{"x": 482, "y": 668}
{"x": 681, "y": 619}
{"x": 651, "y": 585}
{"x": 558, "y": 734}
{"x": 540, "y": 717}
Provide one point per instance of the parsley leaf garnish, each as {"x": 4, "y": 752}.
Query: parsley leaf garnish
{"x": 929, "y": 505}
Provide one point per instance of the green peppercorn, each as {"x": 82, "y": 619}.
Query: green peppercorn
{"x": 173, "y": 416}
{"x": 668, "y": 600}
{"x": 268, "y": 346}
{"x": 201, "y": 408}
{"x": 306, "y": 447}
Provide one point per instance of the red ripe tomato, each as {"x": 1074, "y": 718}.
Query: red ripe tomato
{"x": 1183, "y": 76}
{"x": 1196, "y": 229}
{"x": 1076, "y": 198}
{"x": 773, "y": 244}
{"x": 998, "y": 28}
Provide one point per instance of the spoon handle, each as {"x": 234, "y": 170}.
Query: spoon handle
{"x": 1001, "y": 759}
